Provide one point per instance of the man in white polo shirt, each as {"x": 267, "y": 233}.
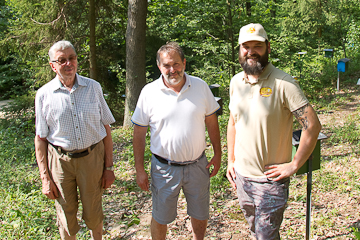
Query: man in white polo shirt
{"x": 263, "y": 101}
{"x": 176, "y": 107}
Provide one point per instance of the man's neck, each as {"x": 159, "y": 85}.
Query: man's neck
{"x": 255, "y": 78}
{"x": 252, "y": 78}
{"x": 176, "y": 88}
{"x": 67, "y": 82}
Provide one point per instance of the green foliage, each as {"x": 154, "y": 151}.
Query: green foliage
{"x": 349, "y": 132}
{"x": 15, "y": 79}
{"x": 17, "y": 130}
{"x": 25, "y": 212}
{"x": 219, "y": 183}
{"x": 205, "y": 30}
{"x": 31, "y": 27}
{"x": 356, "y": 232}
{"x": 353, "y": 37}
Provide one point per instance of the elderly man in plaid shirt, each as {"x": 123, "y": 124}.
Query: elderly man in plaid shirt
{"x": 73, "y": 143}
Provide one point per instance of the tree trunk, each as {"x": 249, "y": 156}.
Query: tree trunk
{"x": 231, "y": 38}
{"x": 273, "y": 11}
{"x": 92, "y": 21}
{"x": 248, "y": 8}
{"x": 135, "y": 56}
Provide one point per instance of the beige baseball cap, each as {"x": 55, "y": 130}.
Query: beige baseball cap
{"x": 252, "y": 32}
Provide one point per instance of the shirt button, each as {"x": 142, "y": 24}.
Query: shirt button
{"x": 74, "y": 115}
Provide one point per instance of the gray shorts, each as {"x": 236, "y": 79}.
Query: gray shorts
{"x": 166, "y": 183}
{"x": 263, "y": 203}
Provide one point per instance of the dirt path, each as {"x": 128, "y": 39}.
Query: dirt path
{"x": 3, "y": 103}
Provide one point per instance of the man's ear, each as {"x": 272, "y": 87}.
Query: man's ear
{"x": 184, "y": 63}
{"x": 269, "y": 49}
{"x": 53, "y": 67}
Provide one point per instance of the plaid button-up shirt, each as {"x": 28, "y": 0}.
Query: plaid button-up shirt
{"x": 72, "y": 120}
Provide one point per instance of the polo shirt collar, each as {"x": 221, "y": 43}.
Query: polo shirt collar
{"x": 267, "y": 71}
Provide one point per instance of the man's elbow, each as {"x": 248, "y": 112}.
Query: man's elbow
{"x": 38, "y": 138}
{"x": 315, "y": 128}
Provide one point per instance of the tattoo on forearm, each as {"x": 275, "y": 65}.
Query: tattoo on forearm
{"x": 300, "y": 116}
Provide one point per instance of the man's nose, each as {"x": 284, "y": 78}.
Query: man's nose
{"x": 250, "y": 51}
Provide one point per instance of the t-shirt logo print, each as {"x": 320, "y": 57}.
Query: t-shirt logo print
{"x": 265, "y": 92}
{"x": 251, "y": 30}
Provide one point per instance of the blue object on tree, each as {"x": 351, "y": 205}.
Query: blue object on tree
{"x": 343, "y": 64}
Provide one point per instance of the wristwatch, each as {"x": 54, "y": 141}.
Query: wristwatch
{"x": 111, "y": 168}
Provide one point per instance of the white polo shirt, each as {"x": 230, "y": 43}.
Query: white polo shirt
{"x": 177, "y": 121}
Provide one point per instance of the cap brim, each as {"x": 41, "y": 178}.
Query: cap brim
{"x": 252, "y": 38}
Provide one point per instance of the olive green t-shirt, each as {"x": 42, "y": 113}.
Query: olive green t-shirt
{"x": 263, "y": 119}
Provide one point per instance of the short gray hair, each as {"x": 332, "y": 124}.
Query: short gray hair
{"x": 60, "y": 45}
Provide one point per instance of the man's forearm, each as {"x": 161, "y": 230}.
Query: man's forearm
{"x": 108, "y": 147}
{"x": 310, "y": 132}
{"x": 139, "y": 141}
{"x": 41, "y": 157}
{"x": 231, "y": 132}
{"x": 214, "y": 133}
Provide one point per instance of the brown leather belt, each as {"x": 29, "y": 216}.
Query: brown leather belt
{"x": 73, "y": 154}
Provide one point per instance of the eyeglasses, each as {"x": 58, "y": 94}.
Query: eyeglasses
{"x": 63, "y": 61}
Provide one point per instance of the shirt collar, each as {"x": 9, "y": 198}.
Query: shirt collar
{"x": 79, "y": 81}
{"x": 267, "y": 71}
{"x": 264, "y": 75}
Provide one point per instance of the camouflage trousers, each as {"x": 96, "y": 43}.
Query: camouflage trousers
{"x": 263, "y": 203}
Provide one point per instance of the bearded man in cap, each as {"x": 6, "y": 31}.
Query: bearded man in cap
{"x": 263, "y": 101}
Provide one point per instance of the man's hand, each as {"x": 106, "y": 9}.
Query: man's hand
{"x": 108, "y": 178}
{"x": 280, "y": 171}
{"x": 142, "y": 180}
{"x": 49, "y": 189}
{"x": 230, "y": 174}
{"x": 216, "y": 162}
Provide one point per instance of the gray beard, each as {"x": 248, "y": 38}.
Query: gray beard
{"x": 254, "y": 70}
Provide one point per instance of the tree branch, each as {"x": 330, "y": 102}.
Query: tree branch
{"x": 50, "y": 23}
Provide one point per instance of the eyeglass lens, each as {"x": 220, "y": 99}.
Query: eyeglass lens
{"x": 65, "y": 60}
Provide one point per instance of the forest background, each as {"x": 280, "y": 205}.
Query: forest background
{"x": 300, "y": 32}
